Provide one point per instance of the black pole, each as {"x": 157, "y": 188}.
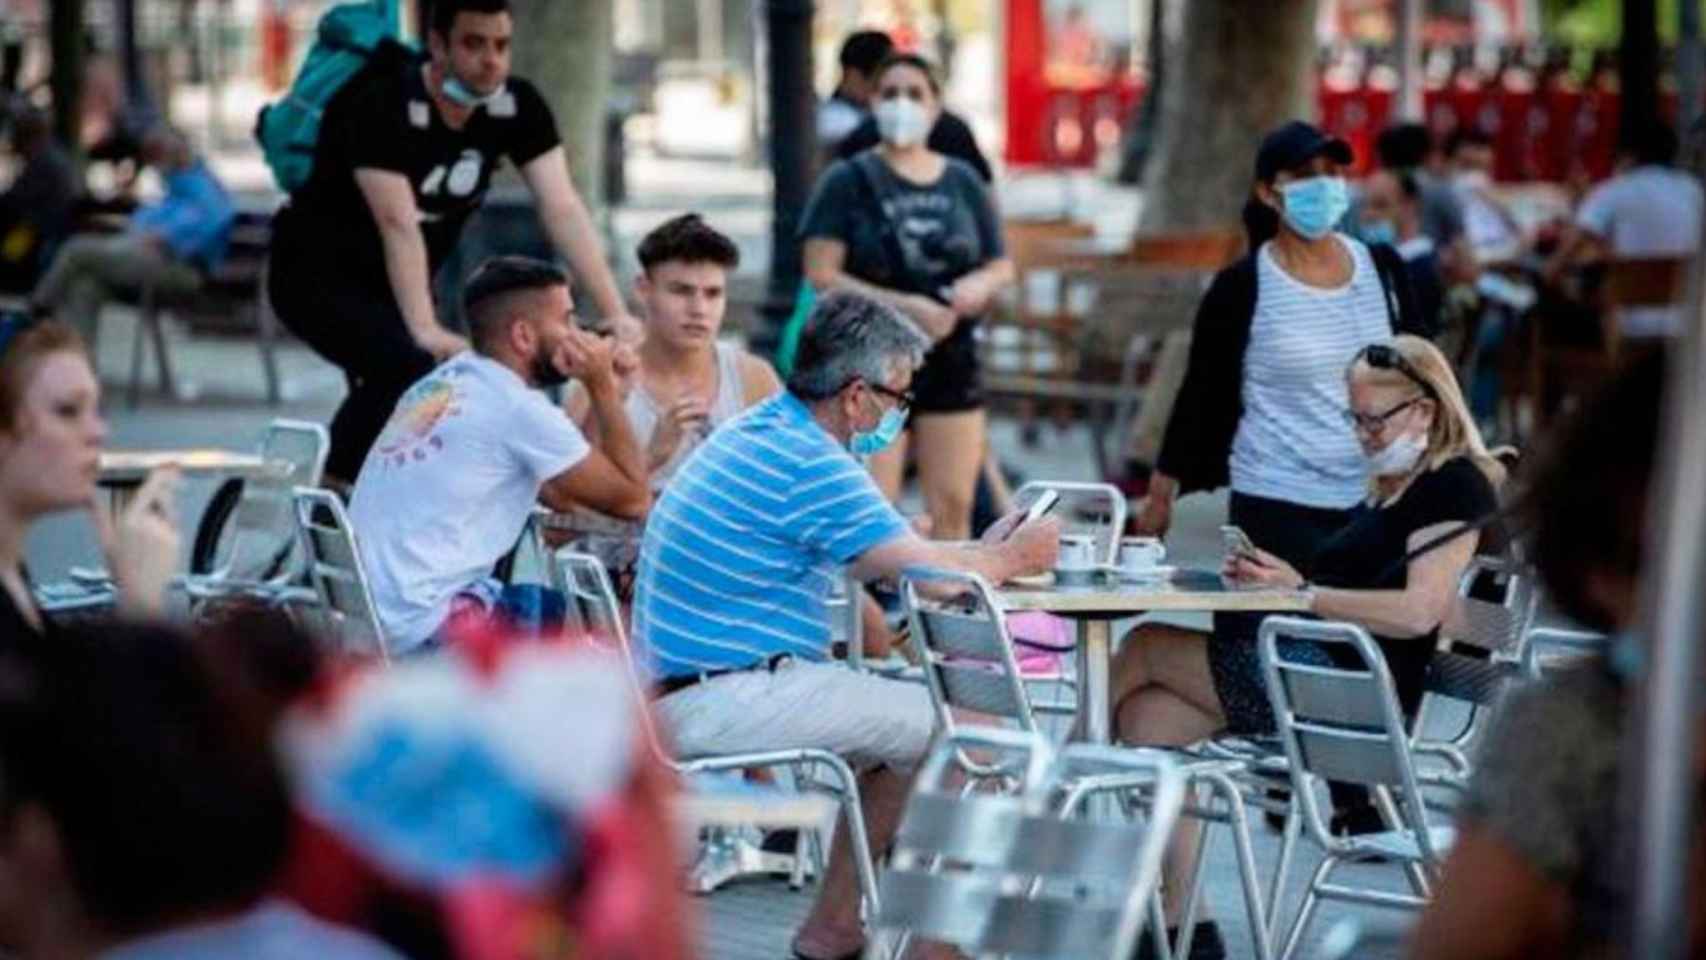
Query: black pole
{"x": 1639, "y": 59}
{"x": 793, "y": 142}
{"x": 130, "y": 57}
{"x": 65, "y": 30}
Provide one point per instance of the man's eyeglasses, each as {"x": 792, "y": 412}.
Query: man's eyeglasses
{"x": 1375, "y": 423}
{"x": 1383, "y": 356}
{"x": 903, "y": 398}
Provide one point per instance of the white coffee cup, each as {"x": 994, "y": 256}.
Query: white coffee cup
{"x": 1141, "y": 553}
{"x": 1077, "y": 553}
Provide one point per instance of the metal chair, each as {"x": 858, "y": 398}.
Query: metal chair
{"x": 593, "y": 601}
{"x": 1014, "y": 874}
{"x": 1344, "y": 724}
{"x": 1496, "y": 603}
{"x": 969, "y": 665}
{"x": 256, "y": 550}
{"x": 336, "y": 574}
{"x": 1550, "y": 648}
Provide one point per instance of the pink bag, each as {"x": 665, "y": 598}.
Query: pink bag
{"x": 1040, "y": 640}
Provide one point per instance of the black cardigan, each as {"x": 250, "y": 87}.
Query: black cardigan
{"x": 1197, "y": 449}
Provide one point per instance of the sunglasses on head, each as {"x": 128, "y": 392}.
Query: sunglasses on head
{"x": 1383, "y": 356}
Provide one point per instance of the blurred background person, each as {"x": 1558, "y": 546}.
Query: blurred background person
{"x": 36, "y": 209}
{"x": 51, "y": 434}
{"x": 168, "y": 245}
{"x": 918, "y": 231}
{"x": 1535, "y": 871}
{"x": 1648, "y": 209}
{"x": 144, "y": 815}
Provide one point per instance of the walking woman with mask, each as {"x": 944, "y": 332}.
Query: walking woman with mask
{"x": 917, "y": 231}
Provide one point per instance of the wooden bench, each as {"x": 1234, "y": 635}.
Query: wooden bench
{"x": 231, "y": 301}
{"x": 1108, "y": 316}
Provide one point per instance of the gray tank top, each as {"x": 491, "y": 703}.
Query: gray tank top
{"x": 644, "y": 412}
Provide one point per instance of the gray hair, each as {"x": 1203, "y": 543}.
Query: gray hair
{"x": 848, "y": 337}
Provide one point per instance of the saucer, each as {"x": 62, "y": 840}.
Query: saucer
{"x": 1157, "y": 572}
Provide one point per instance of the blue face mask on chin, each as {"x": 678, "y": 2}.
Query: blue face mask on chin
{"x": 462, "y": 95}
{"x": 1314, "y": 205}
{"x": 870, "y": 442}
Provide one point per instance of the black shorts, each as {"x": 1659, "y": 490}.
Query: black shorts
{"x": 951, "y": 380}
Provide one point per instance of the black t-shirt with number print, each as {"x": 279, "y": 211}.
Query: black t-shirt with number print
{"x": 385, "y": 120}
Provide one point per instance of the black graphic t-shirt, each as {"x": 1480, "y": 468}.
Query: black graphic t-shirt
{"x": 385, "y": 120}
{"x": 945, "y": 229}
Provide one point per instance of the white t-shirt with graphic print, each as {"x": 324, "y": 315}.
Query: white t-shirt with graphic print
{"x": 449, "y": 486}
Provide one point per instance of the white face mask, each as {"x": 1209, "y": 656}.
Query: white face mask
{"x": 1476, "y": 180}
{"x": 901, "y": 121}
{"x": 1398, "y": 457}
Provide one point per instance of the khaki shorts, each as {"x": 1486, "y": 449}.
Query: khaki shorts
{"x": 827, "y": 706}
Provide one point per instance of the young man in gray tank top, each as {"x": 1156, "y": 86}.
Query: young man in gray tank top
{"x": 686, "y": 383}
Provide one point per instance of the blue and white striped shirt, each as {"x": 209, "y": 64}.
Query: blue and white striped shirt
{"x": 1293, "y": 443}
{"x": 741, "y": 550}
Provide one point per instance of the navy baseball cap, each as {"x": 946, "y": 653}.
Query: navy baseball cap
{"x": 1294, "y": 145}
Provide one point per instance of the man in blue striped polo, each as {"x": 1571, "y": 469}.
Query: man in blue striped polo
{"x": 739, "y": 557}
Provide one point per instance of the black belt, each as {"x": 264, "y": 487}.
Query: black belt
{"x": 669, "y": 685}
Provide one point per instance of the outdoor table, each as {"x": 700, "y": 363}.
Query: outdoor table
{"x": 1107, "y": 598}
{"x": 122, "y": 471}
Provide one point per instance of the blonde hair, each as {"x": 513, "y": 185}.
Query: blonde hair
{"x": 1454, "y": 432}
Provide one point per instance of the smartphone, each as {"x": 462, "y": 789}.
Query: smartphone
{"x": 1236, "y": 541}
{"x": 1044, "y": 502}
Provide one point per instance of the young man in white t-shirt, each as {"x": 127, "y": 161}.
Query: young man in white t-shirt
{"x": 1649, "y": 209}
{"x": 449, "y": 486}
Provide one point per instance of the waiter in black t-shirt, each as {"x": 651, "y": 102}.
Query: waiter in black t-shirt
{"x": 405, "y": 156}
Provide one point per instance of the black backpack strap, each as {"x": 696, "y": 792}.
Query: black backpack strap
{"x": 1497, "y": 517}
{"x": 1402, "y": 310}
{"x": 880, "y": 194}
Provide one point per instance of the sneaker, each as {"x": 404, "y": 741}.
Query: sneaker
{"x": 1206, "y": 943}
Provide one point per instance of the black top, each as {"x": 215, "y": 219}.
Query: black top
{"x": 1197, "y": 448}
{"x": 13, "y": 627}
{"x": 944, "y": 229}
{"x": 950, "y": 137}
{"x": 384, "y": 119}
{"x": 1368, "y": 553}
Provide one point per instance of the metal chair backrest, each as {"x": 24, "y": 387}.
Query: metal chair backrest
{"x": 1495, "y": 606}
{"x": 1340, "y": 723}
{"x": 1106, "y": 524}
{"x": 263, "y": 527}
{"x": 965, "y": 650}
{"x": 336, "y": 574}
{"x": 1024, "y": 880}
{"x": 590, "y": 605}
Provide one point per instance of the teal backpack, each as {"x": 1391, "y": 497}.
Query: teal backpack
{"x": 349, "y": 37}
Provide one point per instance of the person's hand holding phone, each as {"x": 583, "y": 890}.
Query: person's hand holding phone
{"x": 1035, "y": 508}
{"x": 1257, "y": 567}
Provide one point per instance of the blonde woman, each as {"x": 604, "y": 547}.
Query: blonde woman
{"x": 1430, "y": 476}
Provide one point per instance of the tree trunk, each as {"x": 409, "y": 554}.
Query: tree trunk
{"x": 1239, "y": 69}
{"x": 65, "y": 26}
{"x": 565, "y": 49}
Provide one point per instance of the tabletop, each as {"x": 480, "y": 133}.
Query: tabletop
{"x": 129, "y": 467}
{"x": 1184, "y": 590}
